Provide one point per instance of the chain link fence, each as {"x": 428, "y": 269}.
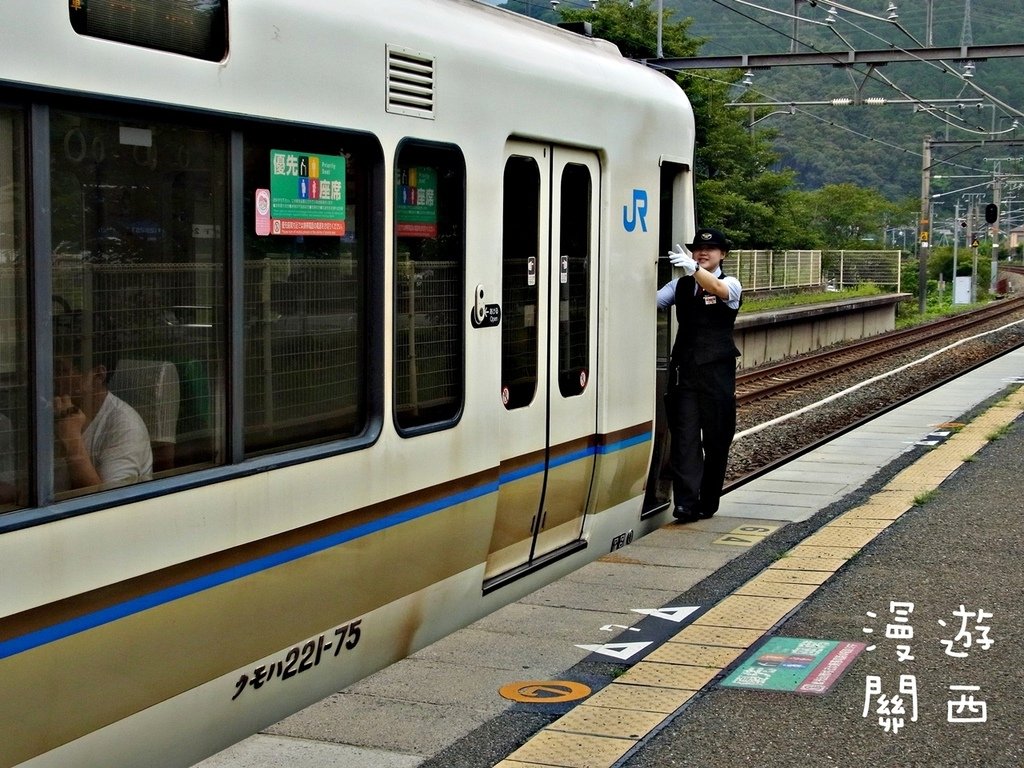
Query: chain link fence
{"x": 767, "y": 270}
{"x": 849, "y": 269}
{"x": 835, "y": 270}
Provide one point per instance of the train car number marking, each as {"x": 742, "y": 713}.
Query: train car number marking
{"x": 302, "y": 658}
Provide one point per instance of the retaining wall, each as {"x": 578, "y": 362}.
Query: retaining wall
{"x": 766, "y": 337}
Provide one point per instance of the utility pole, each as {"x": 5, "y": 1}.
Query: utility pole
{"x": 796, "y": 25}
{"x": 922, "y": 240}
{"x": 972, "y": 222}
{"x": 661, "y": 17}
{"x": 924, "y": 226}
{"x": 997, "y": 193}
{"x": 956, "y": 241}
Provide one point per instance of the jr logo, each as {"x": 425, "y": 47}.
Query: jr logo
{"x": 639, "y": 212}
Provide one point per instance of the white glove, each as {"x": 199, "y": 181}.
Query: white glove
{"x": 681, "y": 258}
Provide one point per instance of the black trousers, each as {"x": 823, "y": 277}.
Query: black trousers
{"x": 701, "y": 407}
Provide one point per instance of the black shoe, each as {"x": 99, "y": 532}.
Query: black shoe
{"x": 684, "y": 515}
{"x": 705, "y": 514}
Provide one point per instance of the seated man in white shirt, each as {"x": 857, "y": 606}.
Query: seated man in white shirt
{"x": 101, "y": 441}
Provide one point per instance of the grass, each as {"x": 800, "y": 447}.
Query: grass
{"x": 1000, "y": 433}
{"x": 923, "y": 498}
{"x": 907, "y": 315}
{"x": 786, "y": 300}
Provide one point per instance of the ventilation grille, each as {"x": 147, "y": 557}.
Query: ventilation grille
{"x": 410, "y": 83}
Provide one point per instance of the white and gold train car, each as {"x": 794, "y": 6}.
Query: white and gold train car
{"x": 371, "y": 286}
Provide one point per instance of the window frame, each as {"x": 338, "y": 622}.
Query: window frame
{"x": 510, "y": 303}
{"x": 569, "y": 382}
{"x": 461, "y": 312}
{"x": 215, "y": 49}
{"x": 22, "y": 219}
{"x": 274, "y": 134}
{"x": 42, "y": 507}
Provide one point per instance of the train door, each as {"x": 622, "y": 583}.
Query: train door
{"x": 548, "y": 356}
{"x": 675, "y": 223}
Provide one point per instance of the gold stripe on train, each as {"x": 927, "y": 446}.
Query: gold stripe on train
{"x": 69, "y": 687}
{"x": 116, "y": 594}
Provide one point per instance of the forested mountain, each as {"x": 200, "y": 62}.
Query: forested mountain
{"x": 877, "y": 147}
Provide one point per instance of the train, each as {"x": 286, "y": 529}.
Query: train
{"x": 349, "y": 311}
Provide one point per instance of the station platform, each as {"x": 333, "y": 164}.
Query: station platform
{"x": 860, "y": 606}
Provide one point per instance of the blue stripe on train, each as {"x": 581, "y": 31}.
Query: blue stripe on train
{"x": 170, "y": 594}
{"x": 558, "y": 461}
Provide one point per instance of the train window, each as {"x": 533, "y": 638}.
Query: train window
{"x": 13, "y": 320}
{"x": 138, "y": 235}
{"x": 196, "y": 28}
{"x": 574, "y": 281}
{"x": 671, "y": 201}
{"x": 429, "y": 314}
{"x": 519, "y": 293}
{"x": 307, "y": 239}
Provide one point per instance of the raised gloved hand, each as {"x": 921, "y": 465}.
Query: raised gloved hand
{"x": 680, "y": 257}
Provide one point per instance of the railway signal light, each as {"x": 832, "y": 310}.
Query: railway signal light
{"x": 991, "y": 213}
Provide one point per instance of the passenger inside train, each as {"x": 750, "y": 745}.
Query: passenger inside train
{"x": 101, "y": 441}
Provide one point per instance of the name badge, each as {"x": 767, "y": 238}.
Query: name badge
{"x": 710, "y": 298}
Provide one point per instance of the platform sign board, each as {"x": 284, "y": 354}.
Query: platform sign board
{"x": 795, "y": 665}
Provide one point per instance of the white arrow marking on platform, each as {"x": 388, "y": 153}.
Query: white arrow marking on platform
{"x": 623, "y": 651}
{"x": 669, "y": 614}
{"x": 610, "y": 627}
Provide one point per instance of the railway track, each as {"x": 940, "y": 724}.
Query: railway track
{"x": 784, "y": 377}
{"x": 788, "y": 409}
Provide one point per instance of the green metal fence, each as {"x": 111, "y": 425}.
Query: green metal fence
{"x": 779, "y": 270}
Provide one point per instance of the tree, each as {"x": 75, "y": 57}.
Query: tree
{"x": 736, "y": 189}
{"x": 845, "y": 215}
{"x": 634, "y": 28}
{"x": 739, "y": 185}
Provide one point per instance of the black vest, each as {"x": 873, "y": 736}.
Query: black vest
{"x": 705, "y": 325}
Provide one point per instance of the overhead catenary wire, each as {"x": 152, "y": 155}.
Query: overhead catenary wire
{"x": 782, "y": 103}
{"x": 872, "y": 73}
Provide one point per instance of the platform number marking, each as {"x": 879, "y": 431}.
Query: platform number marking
{"x": 746, "y": 535}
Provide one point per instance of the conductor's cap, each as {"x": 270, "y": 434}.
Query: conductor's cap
{"x": 709, "y": 238}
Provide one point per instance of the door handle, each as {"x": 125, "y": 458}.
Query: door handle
{"x": 479, "y": 307}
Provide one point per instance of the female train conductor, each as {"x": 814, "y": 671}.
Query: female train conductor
{"x": 701, "y": 397}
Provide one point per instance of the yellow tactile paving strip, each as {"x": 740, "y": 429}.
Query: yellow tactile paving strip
{"x": 663, "y": 700}
{"x": 680, "y": 676}
{"x": 603, "y": 728}
{"x": 674, "y": 652}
